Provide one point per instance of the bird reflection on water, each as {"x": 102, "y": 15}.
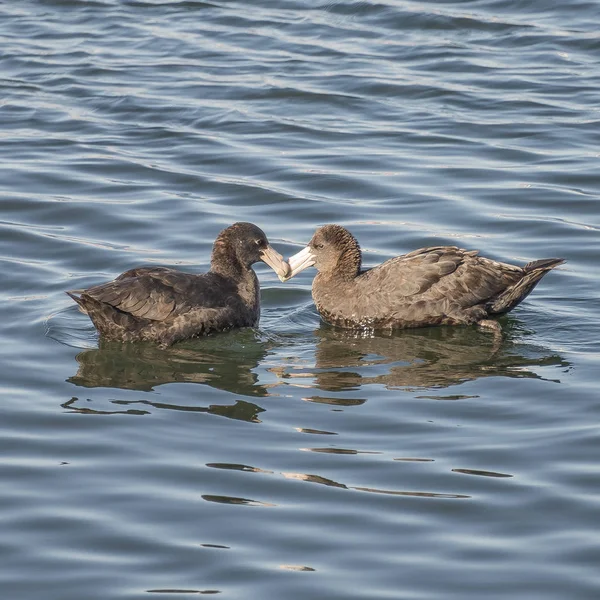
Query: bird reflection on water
{"x": 225, "y": 362}
{"x": 420, "y": 359}
{"x": 425, "y": 359}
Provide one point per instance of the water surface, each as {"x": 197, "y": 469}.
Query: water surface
{"x": 296, "y": 460}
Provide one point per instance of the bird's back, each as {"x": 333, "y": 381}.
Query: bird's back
{"x": 165, "y": 305}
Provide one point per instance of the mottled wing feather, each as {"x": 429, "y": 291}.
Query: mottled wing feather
{"x": 431, "y": 251}
{"x": 416, "y": 272}
{"x": 148, "y": 293}
{"x": 139, "y": 271}
{"x": 438, "y": 273}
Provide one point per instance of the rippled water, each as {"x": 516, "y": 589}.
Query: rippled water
{"x": 297, "y": 460}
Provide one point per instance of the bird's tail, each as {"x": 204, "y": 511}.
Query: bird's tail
{"x": 106, "y": 318}
{"x": 80, "y": 302}
{"x": 516, "y": 293}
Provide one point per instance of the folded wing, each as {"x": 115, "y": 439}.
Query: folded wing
{"x": 148, "y": 293}
{"x": 439, "y": 272}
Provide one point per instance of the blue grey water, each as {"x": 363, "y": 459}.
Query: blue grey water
{"x": 295, "y": 460}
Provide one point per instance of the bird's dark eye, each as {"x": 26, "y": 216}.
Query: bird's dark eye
{"x": 258, "y": 242}
{"x": 319, "y": 246}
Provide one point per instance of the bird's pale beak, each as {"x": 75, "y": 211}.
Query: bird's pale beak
{"x": 272, "y": 258}
{"x": 300, "y": 261}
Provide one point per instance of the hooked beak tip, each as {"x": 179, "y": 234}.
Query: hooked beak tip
{"x": 298, "y": 262}
{"x": 272, "y": 258}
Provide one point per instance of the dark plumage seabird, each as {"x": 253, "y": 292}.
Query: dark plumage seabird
{"x": 165, "y": 305}
{"x": 440, "y": 285}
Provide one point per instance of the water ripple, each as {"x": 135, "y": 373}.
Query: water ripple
{"x": 132, "y": 132}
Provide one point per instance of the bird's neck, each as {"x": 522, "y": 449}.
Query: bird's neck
{"x": 349, "y": 263}
{"x": 225, "y": 262}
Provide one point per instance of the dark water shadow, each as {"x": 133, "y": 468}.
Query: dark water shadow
{"x": 240, "y": 410}
{"x": 422, "y": 359}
